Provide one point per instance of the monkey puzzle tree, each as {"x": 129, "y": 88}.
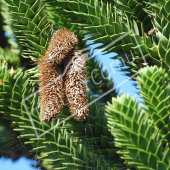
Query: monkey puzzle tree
{"x": 126, "y": 134}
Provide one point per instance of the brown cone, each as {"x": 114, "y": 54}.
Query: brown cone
{"x": 75, "y": 86}
{"x": 60, "y": 50}
{"x": 52, "y": 94}
{"x": 61, "y": 43}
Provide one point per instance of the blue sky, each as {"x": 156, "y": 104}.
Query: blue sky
{"x": 114, "y": 72}
{"x": 118, "y": 77}
{"x": 21, "y": 164}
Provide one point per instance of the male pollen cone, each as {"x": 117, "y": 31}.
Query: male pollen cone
{"x": 75, "y": 86}
{"x": 52, "y": 90}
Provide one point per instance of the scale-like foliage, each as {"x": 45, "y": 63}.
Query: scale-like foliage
{"x": 9, "y": 56}
{"x": 33, "y": 26}
{"x": 134, "y": 9}
{"x": 11, "y": 146}
{"x": 153, "y": 85}
{"x": 58, "y": 147}
{"x": 98, "y": 83}
{"x": 3, "y": 70}
{"x": 140, "y": 134}
{"x": 100, "y": 141}
{"x": 9, "y": 51}
{"x": 162, "y": 23}
{"x": 106, "y": 23}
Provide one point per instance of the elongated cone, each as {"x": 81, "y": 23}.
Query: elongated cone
{"x": 75, "y": 86}
{"x": 51, "y": 77}
{"x": 61, "y": 44}
{"x": 52, "y": 93}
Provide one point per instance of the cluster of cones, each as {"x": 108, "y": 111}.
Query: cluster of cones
{"x": 62, "y": 78}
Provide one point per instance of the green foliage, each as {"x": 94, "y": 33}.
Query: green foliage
{"x": 58, "y": 148}
{"x": 8, "y": 27}
{"x": 106, "y": 23}
{"x": 9, "y": 56}
{"x": 10, "y": 52}
{"x": 3, "y": 70}
{"x": 98, "y": 83}
{"x": 161, "y": 21}
{"x": 135, "y": 134}
{"x": 95, "y": 136}
{"x": 34, "y": 28}
{"x": 74, "y": 157}
{"x": 138, "y": 133}
{"x": 11, "y": 146}
{"x": 134, "y": 11}
{"x": 154, "y": 89}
